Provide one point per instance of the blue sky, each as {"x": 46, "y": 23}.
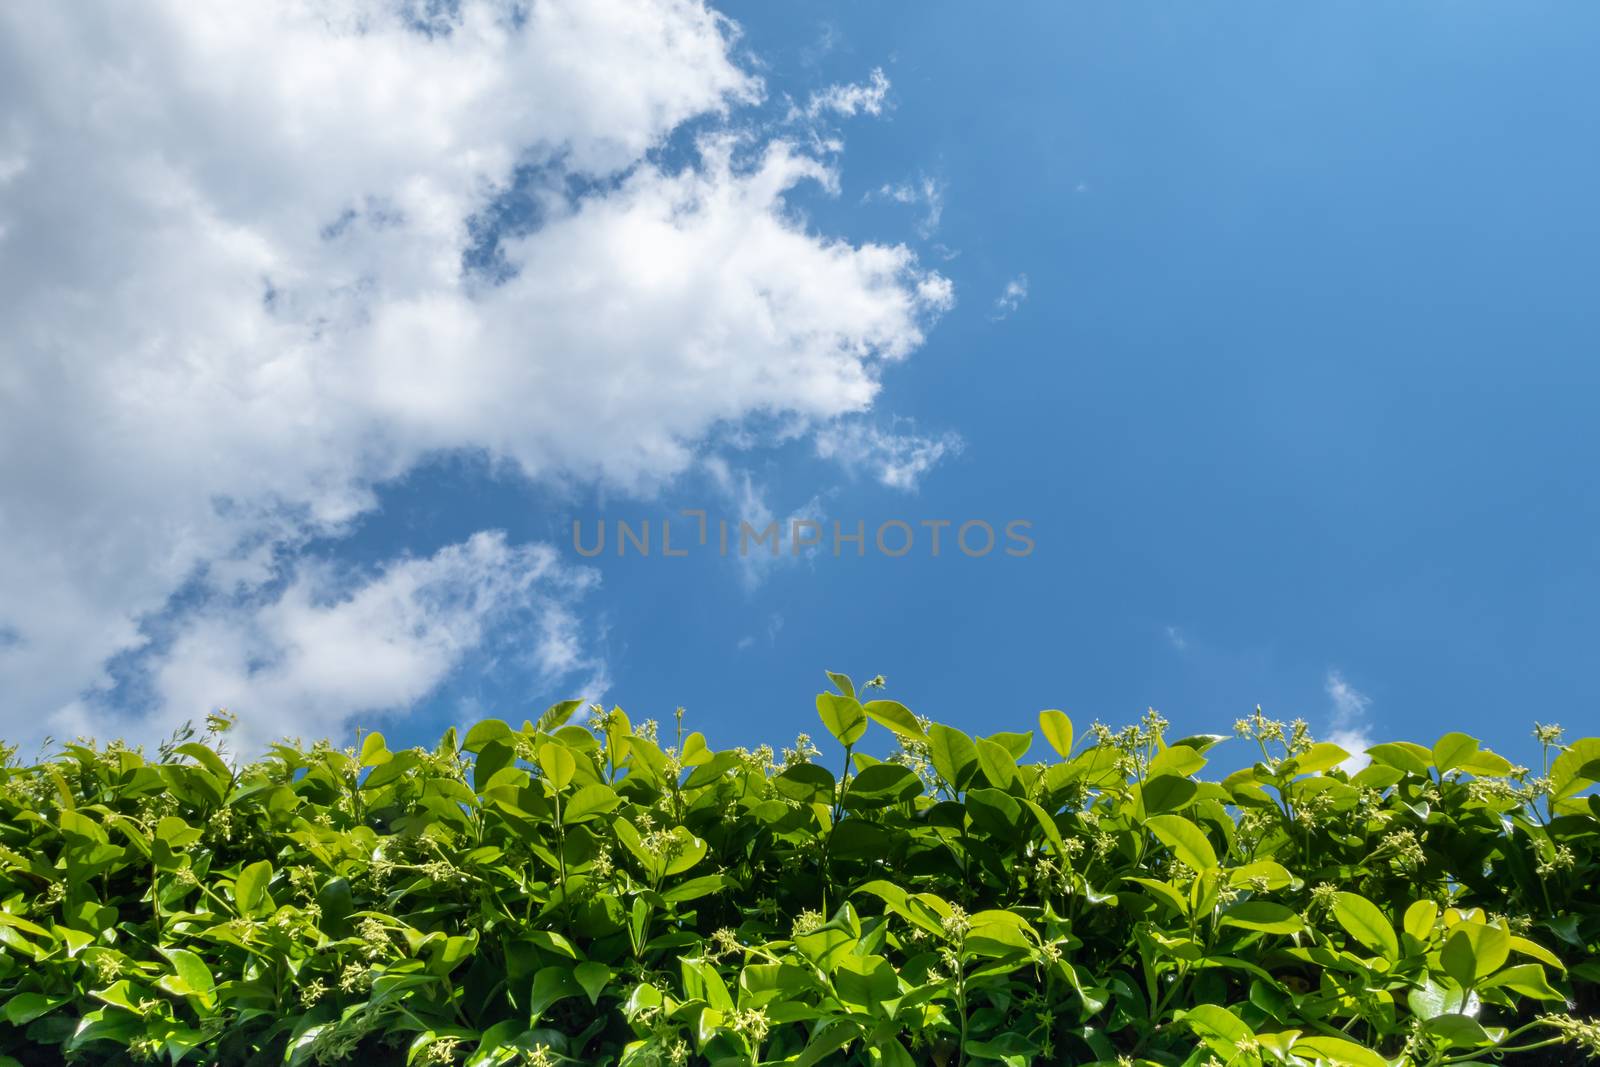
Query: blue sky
{"x": 1295, "y": 388}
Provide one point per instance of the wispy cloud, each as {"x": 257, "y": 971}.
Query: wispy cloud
{"x": 749, "y": 503}
{"x": 1349, "y": 723}
{"x": 1176, "y": 639}
{"x": 773, "y": 626}
{"x": 897, "y": 460}
{"x": 926, "y": 192}
{"x": 828, "y": 38}
{"x": 859, "y": 98}
{"x": 1011, "y": 297}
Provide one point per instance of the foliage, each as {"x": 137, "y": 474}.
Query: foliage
{"x": 564, "y": 894}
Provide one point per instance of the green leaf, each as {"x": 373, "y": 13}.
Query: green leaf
{"x": 1057, "y": 730}
{"x": 717, "y": 767}
{"x": 895, "y": 716}
{"x": 805, "y": 782}
{"x": 557, "y": 763}
{"x": 1218, "y": 1029}
{"x": 176, "y": 833}
{"x": 492, "y": 758}
{"x": 1017, "y": 744}
{"x": 592, "y": 977}
{"x": 997, "y": 764}
{"x": 1537, "y": 951}
{"x": 999, "y": 933}
{"x": 1263, "y": 915}
{"x": 826, "y": 945}
{"x": 828, "y": 1040}
{"x": 865, "y": 982}
{"x": 551, "y": 985}
{"x": 881, "y": 785}
{"x": 79, "y": 825}
{"x": 1567, "y": 773}
{"x": 25, "y": 1007}
{"x": 121, "y": 994}
{"x": 1187, "y": 841}
{"x": 1163, "y": 892}
{"x": 1167, "y": 792}
{"x": 192, "y": 969}
{"x": 690, "y": 852}
{"x": 1180, "y": 761}
{"x": 1322, "y": 756}
{"x": 954, "y": 755}
{"x": 1474, "y": 950}
{"x": 390, "y": 770}
{"x": 1052, "y": 832}
{"x": 696, "y": 753}
{"x": 842, "y": 683}
{"x": 1363, "y": 921}
{"x": 1527, "y": 979}
{"x": 1199, "y": 742}
{"x": 587, "y": 802}
{"x": 1458, "y": 1031}
{"x": 843, "y": 717}
{"x": 556, "y": 716}
{"x": 1274, "y": 874}
{"x": 1485, "y": 764}
{"x": 693, "y": 889}
{"x": 994, "y": 811}
{"x": 1452, "y": 750}
{"x": 480, "y": 734}
{"x": 207, "y": 758}
{"x": 250, "y": 888}
{"x": 1419, "y": 919}
{"x": 1338, "y": 1051}
{"x": 1434, "y": 998}
{"x": 1403, "y": 755}
{"x": 1008, "y": 1047}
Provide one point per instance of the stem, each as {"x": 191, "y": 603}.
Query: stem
{"x": 961, "y": 1006}
{"x": 155, "y": 899}
{"x": 561, "y": 860}
{"x": 838, "y": 813}
{"x": 1469, "y": 1057}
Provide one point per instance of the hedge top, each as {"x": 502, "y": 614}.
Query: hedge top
{"x": 558, "y": 893}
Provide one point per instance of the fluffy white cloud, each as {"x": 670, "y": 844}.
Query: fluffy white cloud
{"x": 1350, "y": 723}
{"x": 325, "y": 647}
{"x": 232, "y": 241}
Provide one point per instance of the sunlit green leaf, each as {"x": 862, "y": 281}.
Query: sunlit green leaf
{"x": 1363, "y": 921}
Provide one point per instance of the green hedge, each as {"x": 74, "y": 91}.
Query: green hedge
{"x": 555, "y": 893}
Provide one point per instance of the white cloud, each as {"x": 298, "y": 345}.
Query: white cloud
{"x": 1176, "y": 638}
{"x": 1350, "y": 725}
{"x": 924, "y": 191}
{"x": 1011, "y": 297}
{"x": 231, "y": 248}
{"x": 748, "y": 502}
{"x": 849, "y": 100}
{"x": 325, "y": 648}
{"x": 897, "y": 460}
